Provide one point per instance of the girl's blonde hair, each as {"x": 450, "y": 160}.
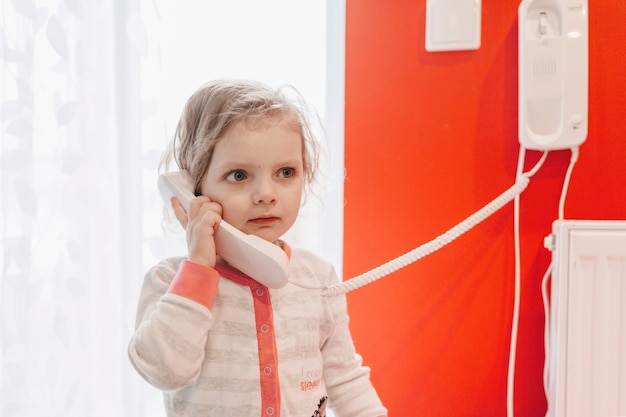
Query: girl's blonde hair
{"x": 217, "y": 105}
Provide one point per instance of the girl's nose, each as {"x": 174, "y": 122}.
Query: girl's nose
{"x": 264, "y": 193}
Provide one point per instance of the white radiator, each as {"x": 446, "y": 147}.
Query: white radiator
{"x": 586, "y": 357}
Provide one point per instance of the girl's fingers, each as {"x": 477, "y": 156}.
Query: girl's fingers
{"x": 179, "y": 211}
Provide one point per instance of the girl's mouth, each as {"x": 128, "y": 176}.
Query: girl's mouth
{"x": 264, "y": 221}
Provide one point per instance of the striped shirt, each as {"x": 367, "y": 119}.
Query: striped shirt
{"x": 219, "y": 344}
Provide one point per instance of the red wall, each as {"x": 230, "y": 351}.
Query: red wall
{"x": 431, "y": 138}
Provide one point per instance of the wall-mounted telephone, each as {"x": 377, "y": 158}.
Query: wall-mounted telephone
{"x": 266, "y": 262}
{"x": 553, "y": 73}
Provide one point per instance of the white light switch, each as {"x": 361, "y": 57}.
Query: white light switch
{"x": 452, "y": 25}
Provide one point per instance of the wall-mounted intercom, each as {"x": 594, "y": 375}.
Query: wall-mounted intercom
{"x": 553, "y": 73}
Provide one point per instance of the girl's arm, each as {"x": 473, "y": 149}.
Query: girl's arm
{"x": 173, "y": 320}
{"x": 350, "y": 390}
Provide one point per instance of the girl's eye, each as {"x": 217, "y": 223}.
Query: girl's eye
{"x": 236, "y": 176}
{"x": 286, "y": 172}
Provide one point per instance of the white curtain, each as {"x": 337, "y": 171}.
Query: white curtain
{"x": 89, "y": 94}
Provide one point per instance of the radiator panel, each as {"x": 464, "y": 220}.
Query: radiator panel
{"x": 587, "y": 358}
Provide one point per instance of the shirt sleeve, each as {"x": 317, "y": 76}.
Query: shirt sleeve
{"x": 172, "y": 325}
{"x": 196, "y": 282}
{"x": 350, "y": 391}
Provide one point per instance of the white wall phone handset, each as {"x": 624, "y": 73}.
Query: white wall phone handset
{"x": 265, "y": 262}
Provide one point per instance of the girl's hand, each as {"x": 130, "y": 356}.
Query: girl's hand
{"x": 200, "y": 224}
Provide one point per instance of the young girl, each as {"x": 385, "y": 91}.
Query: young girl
{"x": 214, "y": 340}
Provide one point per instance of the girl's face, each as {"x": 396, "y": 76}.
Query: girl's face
{"x": 256, "y": 174}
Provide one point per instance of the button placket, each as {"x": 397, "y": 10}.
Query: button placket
{"x": 268, "y": 361}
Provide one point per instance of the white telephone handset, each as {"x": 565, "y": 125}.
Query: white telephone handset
{"x": 266, "y": 262}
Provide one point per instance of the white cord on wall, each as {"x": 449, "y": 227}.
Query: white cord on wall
{"x": 425, "y": 249}
{"x": 546, "y": 331}
{"x": 550, "y": 354}
{"x": 510, "y": 380}
{"x": 517, "y": 291}
{"x": 568, "y": 176}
